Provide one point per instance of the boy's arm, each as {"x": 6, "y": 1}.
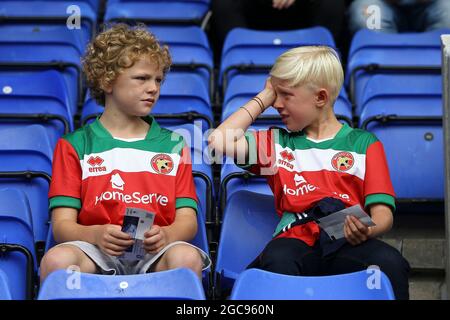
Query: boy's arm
{"x": 228, "y": 139}
{"x": 379, "y": 196}
{"x": 184, "y": 228}
{"x": 109, "y": 238}
{"x": 66, "y": 228}
{"x": 356, "y": 232}
{"x": 382, "y": 216}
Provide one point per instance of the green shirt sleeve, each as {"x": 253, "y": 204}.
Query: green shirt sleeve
{"x": 380, "y": 198}
{"x": 62, "y": 201}
{"x": 186, "y": 202}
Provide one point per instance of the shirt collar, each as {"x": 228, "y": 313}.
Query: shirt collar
{"x": 153, "y": 132}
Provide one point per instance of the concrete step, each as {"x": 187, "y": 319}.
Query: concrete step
{"x": 422, "y": 254}
{"x": 427, "y": 259}
{"x": 425, "y": 286}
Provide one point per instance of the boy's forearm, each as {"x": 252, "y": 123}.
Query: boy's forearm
{"x": 184, "y": 228}
{"x": 65, "y": 230}
{"x": 233, "y": 128}
{"x": 382, "y": 217}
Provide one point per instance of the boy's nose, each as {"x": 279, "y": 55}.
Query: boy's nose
{"x": 151, "y": 87}
{"x": 278, "y": 104}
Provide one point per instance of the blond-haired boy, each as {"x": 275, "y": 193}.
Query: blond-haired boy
{"x": 316, "y": 167}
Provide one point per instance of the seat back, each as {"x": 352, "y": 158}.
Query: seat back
{"x": 18, "y": 258}
{"x": 172, "y": 284}
{"x": 248, "y": 225}
{"x": 254, "y": 284}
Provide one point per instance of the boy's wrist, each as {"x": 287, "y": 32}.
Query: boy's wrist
{"x": 372, "y": 233}
{"x": 91, "y": 235}
{"x": 167, "y": 233}
{"x": 267, "y": 97}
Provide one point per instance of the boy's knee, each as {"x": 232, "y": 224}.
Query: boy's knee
{"x": 57, "y": 258}
{"x": 390, "y": 260}
{"x": 184, "y": 256}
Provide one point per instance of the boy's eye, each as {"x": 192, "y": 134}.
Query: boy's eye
{"x": 141, "y": 78}
{"x": 158, "y": 80}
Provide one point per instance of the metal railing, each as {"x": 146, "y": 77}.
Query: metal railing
{"x": 446, "y": 124}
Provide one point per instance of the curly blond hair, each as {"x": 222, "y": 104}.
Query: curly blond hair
{"x": 118, "y": 48}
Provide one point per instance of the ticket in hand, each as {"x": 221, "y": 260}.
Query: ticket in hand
{"x": 136, "y": 222}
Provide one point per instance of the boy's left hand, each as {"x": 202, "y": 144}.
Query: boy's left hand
{"x": 155, "y": 239}
{"x": 355, "y": 231}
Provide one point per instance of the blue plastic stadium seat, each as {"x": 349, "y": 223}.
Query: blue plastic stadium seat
{"x": 182, "y": 94}
{"x": 401, "y": 52}
{"x": 190, "y": 52}
{"x": 26, "y": 49}
{"x": 249, "y": 222}
{"x": 18, "y": 259}
{"x": 42, "y": 93}
{"x": 254, "y": 284}
{"x": 261, "y": 48}
{"x": 203, "y": 180}
{"x": 408, "y": 121}
{"x": 44, "y": 13}
{"x": 158, "y": 11}
{"x": 243, "y": 87}
{"x": 95, "y": 4}
{"x": 173, "y": 284}
{"x": 25, "y": 164}
{"x": 385, "y": 94}
{"x": 193, "y": 137}
{"x": 5, "y": 292}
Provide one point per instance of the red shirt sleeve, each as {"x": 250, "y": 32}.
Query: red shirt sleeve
{"x": 186, "y": 195}
{"x": 261, "y": 151}
{"x": 377, "y": 182}
{"x": 66, "y": 172}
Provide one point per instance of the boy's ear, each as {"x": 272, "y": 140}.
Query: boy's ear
{"x": 107, "y": 88}
{"x": 322, "y": 97}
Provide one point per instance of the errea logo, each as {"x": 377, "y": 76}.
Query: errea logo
{"x": 286, "y": 157}
{"x": 95, "y": 164}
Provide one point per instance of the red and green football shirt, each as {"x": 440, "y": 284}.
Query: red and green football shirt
{"x": 351, "y": 167}
{"x": 101, "y": 176}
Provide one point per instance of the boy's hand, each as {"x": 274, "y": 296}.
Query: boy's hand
{"x": 355, "y": 232}
{"x": 268, "y": 95}
{"x": 155, "y": 239}
{"x": 282, "y": 4}
{"x": 111, "y": 240}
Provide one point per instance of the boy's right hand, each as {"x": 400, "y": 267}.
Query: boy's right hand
{"x": 111, "y": 240}
{"x": 268, "y": 95}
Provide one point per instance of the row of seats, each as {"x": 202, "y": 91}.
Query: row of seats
{"x": 183, "y": 284}
{"x": 60, "y": 12}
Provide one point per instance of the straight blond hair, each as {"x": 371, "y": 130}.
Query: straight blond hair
{"x": 313, "y": 66}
